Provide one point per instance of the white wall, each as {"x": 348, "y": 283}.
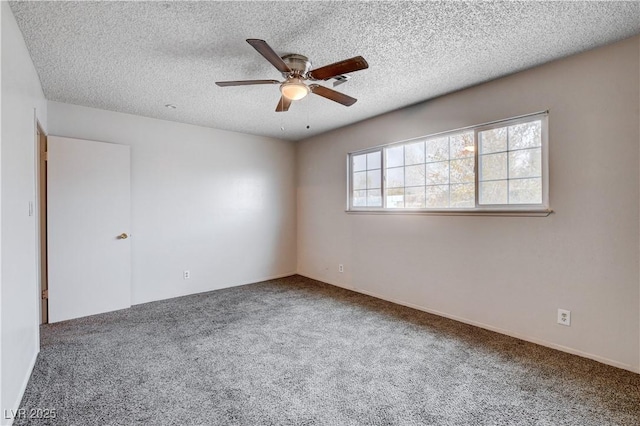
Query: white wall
{"x": 21, "y": 95}
{"x": 509, "y": 274}
{"x": 220, "y": 204}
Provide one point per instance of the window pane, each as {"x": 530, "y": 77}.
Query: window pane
{"x": 526, "y": 135}
{"x": 360, "y": 180}
{"x": 525, "y": 163}
{"x": 437, "y": 196}
{"x": 462, "y": 145}
{"x": 525, "y": 191}
{"x": 463, "y": 195}
{"x": 494, "y": 140}
{"x": 395, "y": 156}
{"x": 493, "y": 166}
{"x": 395, "y": 197}
{"x": 461, "y": 171}
{"x": 494, "y": 192}
{"x": 374, "y": 198}
{"x": 414, "y": 197}
{"x": 359, "y": 162}
{"x": 359, "y": 198}
{"x": 414, "y": 153}
{"x": 374, "y": 179}
{"x": 437, "y": 149}
{"x": 437, "y": 173}
{"x": 414, "y": 175}
{"x": 395, "y": 177}
{"x": 373, "y": 160}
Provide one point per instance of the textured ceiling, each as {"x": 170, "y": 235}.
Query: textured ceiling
{"x": 135, "y": 57}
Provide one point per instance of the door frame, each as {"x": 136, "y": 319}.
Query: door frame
{"x": 41, "y": 223}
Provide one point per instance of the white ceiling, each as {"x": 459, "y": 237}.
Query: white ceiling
{"x": 135, "y": 57}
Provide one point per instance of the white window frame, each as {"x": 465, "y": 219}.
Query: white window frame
{"x": 541, "y": 209}
{"x": 379, "y": 149}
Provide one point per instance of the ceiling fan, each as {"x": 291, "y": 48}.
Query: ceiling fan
{"x": 296, "y": 69}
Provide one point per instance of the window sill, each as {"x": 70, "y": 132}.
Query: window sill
{"x": 529, "y": 212}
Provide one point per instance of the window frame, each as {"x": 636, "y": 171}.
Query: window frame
{"x": 350, "y": 155}
{"x": 541, "y": 209}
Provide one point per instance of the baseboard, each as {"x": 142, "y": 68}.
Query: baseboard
{"x": 510, "y": 333}
{"x": 25, "y": 382}
{"x": 247, "y": 282}
{"x": 324, "y": 280}
{"x": 273, "y": 277}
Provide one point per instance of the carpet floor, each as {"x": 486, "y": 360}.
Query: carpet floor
{"x": 295, "y": 351}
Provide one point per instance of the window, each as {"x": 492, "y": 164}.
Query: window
{"x": 510, "y": 164}
{"x": 499, "y": 166}
{"x": 367, "y": 179}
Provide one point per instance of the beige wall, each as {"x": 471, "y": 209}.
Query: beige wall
{"x": 510, "y": 274}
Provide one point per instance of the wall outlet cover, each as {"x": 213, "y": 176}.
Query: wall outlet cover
{"x": 564, "y": 317}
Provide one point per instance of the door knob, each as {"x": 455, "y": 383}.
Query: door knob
{"x": 123, "y": 236}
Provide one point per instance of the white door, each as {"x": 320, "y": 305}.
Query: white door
{"x": 88, "y": 222}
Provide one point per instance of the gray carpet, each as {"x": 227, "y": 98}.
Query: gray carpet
{"x": 295, "y": 351}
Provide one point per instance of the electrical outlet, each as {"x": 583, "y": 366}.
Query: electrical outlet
{"x": 341, "y": 268}
{"x": 186, "y": 274}
{"x": 564, "y": 317}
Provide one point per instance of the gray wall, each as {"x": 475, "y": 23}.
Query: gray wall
{"x": 509, "y": 274}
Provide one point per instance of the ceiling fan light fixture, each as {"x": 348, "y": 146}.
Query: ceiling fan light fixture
{"x": 294, "y": 89}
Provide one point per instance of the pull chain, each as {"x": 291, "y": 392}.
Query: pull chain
{"x": 281, "y": 115}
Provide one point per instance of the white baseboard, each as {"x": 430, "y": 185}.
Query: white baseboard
{"x": 273, "y": 277}
{"x": 510, "y": 333}
{"x": 246, "y": 282}
{"x": 25, "y": 382}
{"x": 324, "y": 280}
{"x": 250, "y": 281}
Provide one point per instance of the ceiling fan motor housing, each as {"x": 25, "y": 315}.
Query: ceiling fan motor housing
{"x": 299, "y": 64}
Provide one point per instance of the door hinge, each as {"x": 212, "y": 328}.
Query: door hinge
{"x": 46, "y": 156}
{"x": 45, "y": 294}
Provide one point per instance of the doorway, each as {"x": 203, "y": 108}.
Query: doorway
{"x": 43, "y": 294}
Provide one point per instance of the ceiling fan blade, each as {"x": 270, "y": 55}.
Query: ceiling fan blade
{"x": 283, "y": 104}
{"x": 245, "y": 82}
{"x": 269, "y": 54}
{"x": 331, "y": 94}
{"x": 343, "y": 67}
